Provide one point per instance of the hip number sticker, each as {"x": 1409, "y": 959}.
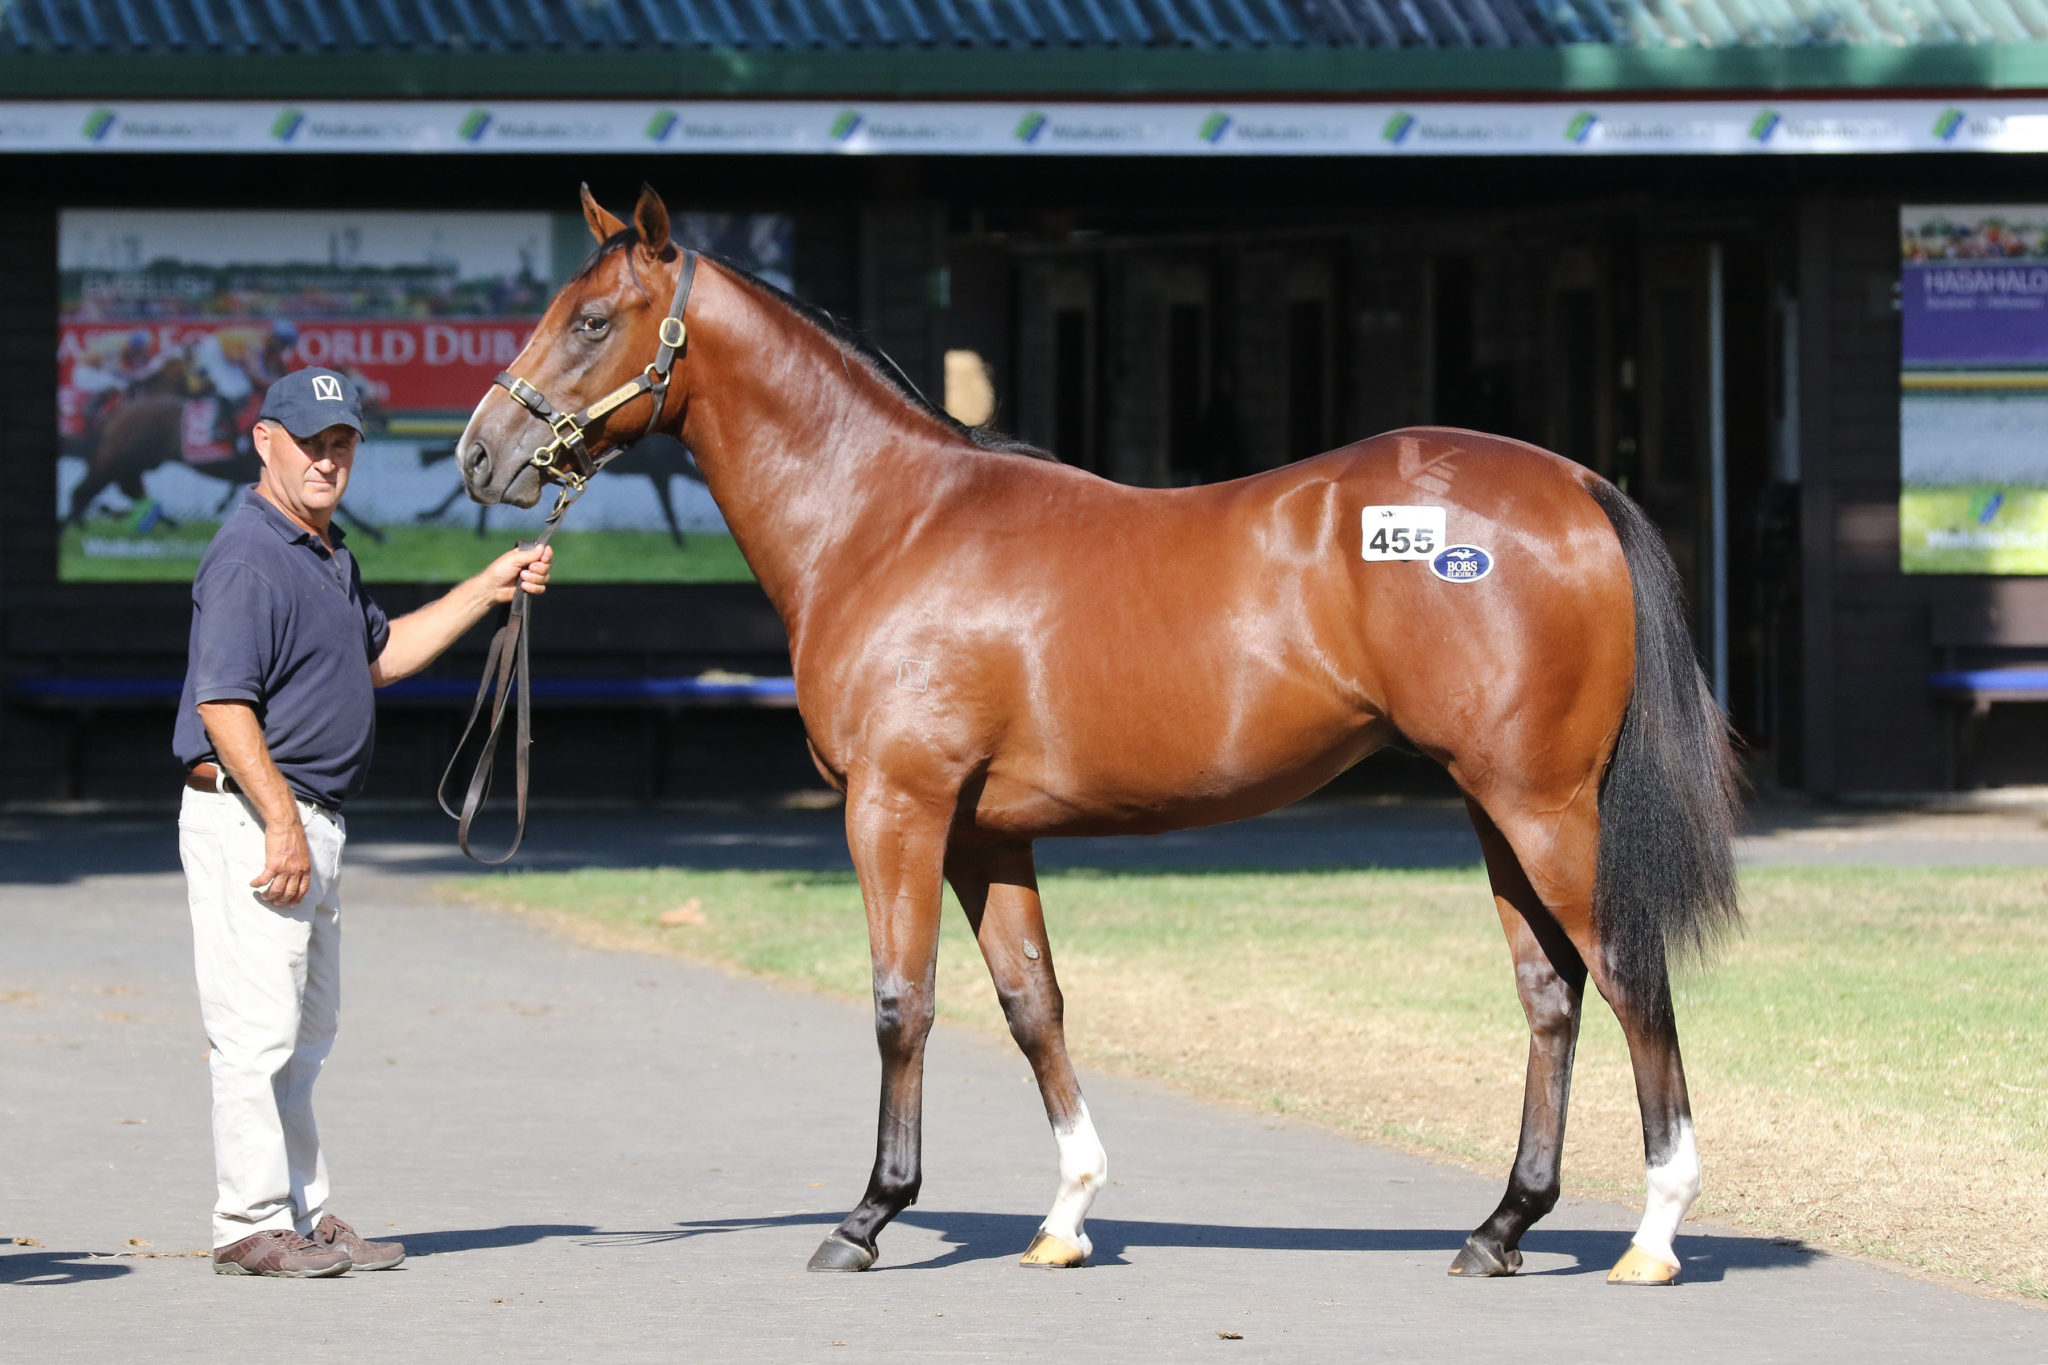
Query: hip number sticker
{"x": 1403, "y": 532}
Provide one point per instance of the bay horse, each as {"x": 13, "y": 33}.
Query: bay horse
{"x": 991, "y": 647}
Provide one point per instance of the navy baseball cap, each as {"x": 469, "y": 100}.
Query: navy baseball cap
{"x": 307, "y": 402}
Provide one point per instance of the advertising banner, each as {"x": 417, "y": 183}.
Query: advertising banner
{"x": 1973, "y": 405}
{"x": 174, "y": 322}
{"x": 1806, "y": 127}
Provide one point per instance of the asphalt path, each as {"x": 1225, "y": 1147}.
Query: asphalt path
{"x": 599, "y": 1155}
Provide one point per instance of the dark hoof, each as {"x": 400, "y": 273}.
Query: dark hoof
{"x": 1477, "y": 1259}
{"x": 839, "y": 1253}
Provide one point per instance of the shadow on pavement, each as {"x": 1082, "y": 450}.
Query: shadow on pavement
{"x": 1707, "y": 1257}
{"x": 35, "y": 1268}
{"x": 489, "y": 1239}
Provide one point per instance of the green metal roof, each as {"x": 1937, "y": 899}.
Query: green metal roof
{"x": 680, "y": 49}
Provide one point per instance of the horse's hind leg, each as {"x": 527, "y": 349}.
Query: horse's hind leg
{"x": 1559, "y": 852}
{"x": 998, "y": 887}
{"x": 898, "y": 848}
{"x": 1551, "y": 978}
{"x": 1671, "y": 1158}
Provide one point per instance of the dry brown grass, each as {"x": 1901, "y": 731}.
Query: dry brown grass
{"x": 1868, "y": 1065}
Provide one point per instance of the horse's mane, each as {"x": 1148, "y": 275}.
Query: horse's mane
{"x": 850, "y": 340}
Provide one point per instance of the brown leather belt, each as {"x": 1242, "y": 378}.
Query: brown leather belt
{"x": 205, "y": 777}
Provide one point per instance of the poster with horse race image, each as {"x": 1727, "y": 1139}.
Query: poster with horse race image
{"x": 174, "y": 322}
{"x": 1973, "y": 390}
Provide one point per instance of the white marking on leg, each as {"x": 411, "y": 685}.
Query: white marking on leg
{"x": 1673, "y": 1185}
{"x": 1084, "y": 1166}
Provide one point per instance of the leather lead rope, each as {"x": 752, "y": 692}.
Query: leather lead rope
{"x": 507, "y": 674}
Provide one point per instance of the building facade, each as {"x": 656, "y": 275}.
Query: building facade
{"x": 1174, "y": 241}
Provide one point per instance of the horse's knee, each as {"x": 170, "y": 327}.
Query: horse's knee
{"x": 903, "y": 1013}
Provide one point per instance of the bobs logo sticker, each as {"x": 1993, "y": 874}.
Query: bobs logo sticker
{"x": 1462, "y": 564}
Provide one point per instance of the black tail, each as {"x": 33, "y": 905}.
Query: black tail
{"x": 1668, "y": 805}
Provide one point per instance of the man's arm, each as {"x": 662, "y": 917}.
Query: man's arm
{"x": 418, "y": 638}
{"x": 238, "y": 743}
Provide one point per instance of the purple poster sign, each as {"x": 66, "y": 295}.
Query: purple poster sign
{"x": 1992, "y": 313}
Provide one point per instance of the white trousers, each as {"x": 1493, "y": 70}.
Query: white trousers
{"x": 270, "y": 996}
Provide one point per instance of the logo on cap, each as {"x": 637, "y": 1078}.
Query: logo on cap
{"x": 326, "y": 386}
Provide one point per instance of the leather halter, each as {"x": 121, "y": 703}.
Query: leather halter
{"x": 567, "y": 459}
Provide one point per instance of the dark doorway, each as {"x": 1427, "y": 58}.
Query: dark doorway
{"x": 1577, "y": 358}
{"x": 1072, "y": 393}
{"x": 1308, "y": 378}
{"x": 1188, "y": 440}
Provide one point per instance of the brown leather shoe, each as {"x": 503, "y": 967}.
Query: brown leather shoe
{"x": 332, "y": 1232}
{"x": 281, "y": 1251}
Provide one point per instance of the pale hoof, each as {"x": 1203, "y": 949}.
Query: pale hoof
{"x": 840, "y": 1253}
{"x": 1638, "y": 1266}
{"x": 1046, "y": 1249}
{"x": 1477, "y": 1259}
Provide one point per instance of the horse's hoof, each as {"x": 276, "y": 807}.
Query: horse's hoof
{"x": 1046, "y": 1249}
{"x": 838, "y": 1252}
{"x": 1638, "y": 1266}
{"x": 1478, "y": 1259}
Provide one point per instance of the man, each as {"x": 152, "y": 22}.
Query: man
{"x": 275, "y": 730}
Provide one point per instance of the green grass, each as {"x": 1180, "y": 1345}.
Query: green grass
{"x": 448, "y": 554}
{"x": 413, "y": 554}
{"x": 1868, "y": 1060}
{"x": 1920, "y": 991}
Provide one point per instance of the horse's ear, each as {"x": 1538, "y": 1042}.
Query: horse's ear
{"x": 603, "y": 223}
{"x": 650, "y": 216}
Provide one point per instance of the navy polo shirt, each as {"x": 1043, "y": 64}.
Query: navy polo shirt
{"x": 282, "y": 622}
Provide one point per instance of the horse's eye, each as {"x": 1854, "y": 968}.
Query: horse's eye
{"x": 595, "y": 325}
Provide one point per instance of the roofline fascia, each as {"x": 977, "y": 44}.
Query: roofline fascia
{"x": 982, "y": 73}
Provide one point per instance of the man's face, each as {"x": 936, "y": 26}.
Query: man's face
{"x": 310, "y": 475}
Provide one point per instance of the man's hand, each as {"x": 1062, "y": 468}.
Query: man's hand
{"x": 238, "y": 746}
{"x": 287, "y": 863}
{"x": 527, "y": 569}
{"x": 418, "y": 638}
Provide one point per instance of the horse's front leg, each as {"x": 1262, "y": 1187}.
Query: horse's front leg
{"x": 998, "y": 888}
{"x": 899, "y": 847}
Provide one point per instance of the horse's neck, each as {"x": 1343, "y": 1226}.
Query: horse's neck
{"x": 805, "y": 449}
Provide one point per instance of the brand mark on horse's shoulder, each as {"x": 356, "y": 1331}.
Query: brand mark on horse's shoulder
{"x": 1431, "y": 471}
{"x": 914, "y": 675}
{"x": 1462, "y": 564}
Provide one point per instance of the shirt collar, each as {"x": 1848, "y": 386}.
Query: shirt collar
{"x": 290, "y": 530}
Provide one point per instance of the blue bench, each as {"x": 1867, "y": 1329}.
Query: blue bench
{"x": 1991, "y": 652}
{"x": 79, "y": 699}
{"x": 1981, "y": 687}
{"x": 705, "y": 689}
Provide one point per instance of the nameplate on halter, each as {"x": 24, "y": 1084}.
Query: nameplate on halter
{"x": 1403, "y": 532}
{"x": 617, "y": 398}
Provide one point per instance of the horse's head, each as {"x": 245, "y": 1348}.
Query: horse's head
{"x": 602, "y": 330}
